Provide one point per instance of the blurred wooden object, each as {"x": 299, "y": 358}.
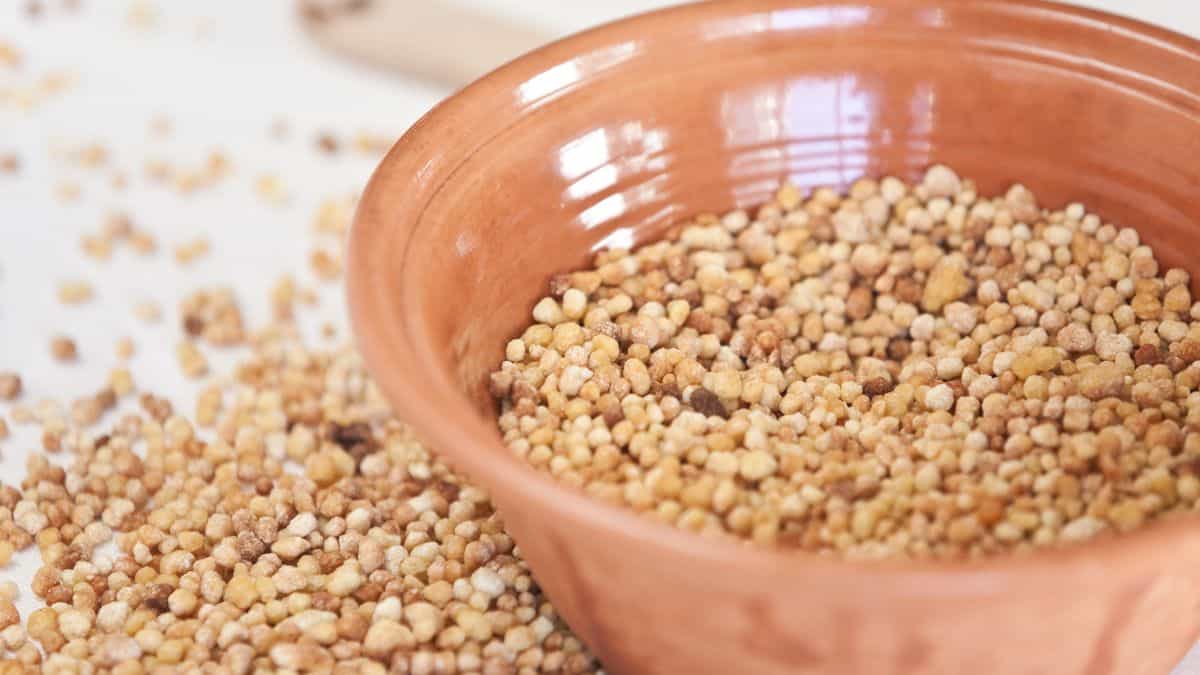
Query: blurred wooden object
{"x": 434, "y": 40}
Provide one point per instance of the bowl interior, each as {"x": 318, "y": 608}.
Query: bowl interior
{"x": 606, "y": 138}
{"x": 605, "y": 143}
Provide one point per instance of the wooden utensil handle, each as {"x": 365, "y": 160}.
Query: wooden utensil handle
{"x": 431, "y": 39}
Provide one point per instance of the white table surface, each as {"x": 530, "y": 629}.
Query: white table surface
{"x": 221, "y": 90}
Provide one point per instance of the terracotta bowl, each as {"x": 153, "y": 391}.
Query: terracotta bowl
{"x": 606, "y": 137}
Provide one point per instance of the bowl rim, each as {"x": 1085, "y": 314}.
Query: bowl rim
{"x": 474, "y": 446}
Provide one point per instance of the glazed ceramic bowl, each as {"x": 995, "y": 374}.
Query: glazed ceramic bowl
{"x": 605, "y": 138}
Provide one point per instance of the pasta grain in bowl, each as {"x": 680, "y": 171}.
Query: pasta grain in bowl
{"x": 903, "y": 370}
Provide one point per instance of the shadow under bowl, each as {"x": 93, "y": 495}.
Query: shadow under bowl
{"x": 607, "y": 137}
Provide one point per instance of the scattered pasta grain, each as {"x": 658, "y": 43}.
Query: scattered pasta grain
{"x": 10, "y": 386}
{"x": 222, "y": 558}
{"x": 63, "y": 349}
{"x": 125, "y": 348}
{"x": 75, "y": 292}
{"x": 191, "y": 360}
{"x": 189, "y": 252}
{"x": 147, "y": 310}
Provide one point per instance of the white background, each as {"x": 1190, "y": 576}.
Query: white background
{"x": 222, "y": 71}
